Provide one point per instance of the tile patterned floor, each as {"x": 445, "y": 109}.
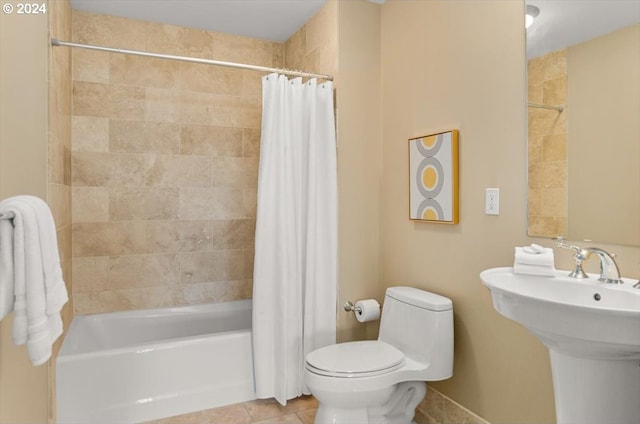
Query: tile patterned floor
{"x": 263, "y": 411}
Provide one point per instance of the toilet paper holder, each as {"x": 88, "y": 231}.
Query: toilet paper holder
{"x": 350, "y": 307}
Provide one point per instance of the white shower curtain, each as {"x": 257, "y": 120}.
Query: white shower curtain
{"x": 295, "y": 266}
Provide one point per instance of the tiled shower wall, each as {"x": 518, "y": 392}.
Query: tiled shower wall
{"x": 547, "y": 152}
{"x": 164, "y": 165}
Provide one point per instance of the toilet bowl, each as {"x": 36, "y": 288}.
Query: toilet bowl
{"x": 382, "y": 381}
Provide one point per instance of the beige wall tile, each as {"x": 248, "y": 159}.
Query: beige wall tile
{"x": 126, "y": 102}
{"x": 252, "y": 84}
{"x": 90, "y": 134}
{"x": 111, "y": 31}
{"x": 235, "y": 172}
{"x": 249, "y": 255}
{"x": 178, "y": 236}
{"x": 193, "y": 108}
{"x": 159, "y": 105}
{"x": 143, "y": 71}
{"x": 137, "y": 271}
{"x": 233, "y": 111}
{"x": 90, "y": 204}
{"x": 90, "y": 66}
{"x": 150, "y": 139}
{"x": 90, "y": 274}
{"x": 548, "y": 175}
{"x": 554, "y": 203}
{"x": 295, "y": 47}
{"x": 90, "y": 99}
{"x": 249, "y": 203}
{"x": 162, "y": 137}
{"x": 126, "y": 136}
{"x": 211, "y": 203}
{"x": 210, "y": 140}
{"x": 143, "y": 204}
{"x": 95, "y": 302}
{"x": 108, "y": 169}
{"x": 554, "y": 147}
{"x": 179, "y": 171}
{"x": 554, "y": 91}
{"x": 143, "y": 137}
{"x": 170, "y": 39}
{"x": 546, "y": 226}
{"x": 535, "y": 149}
{"x": 251, "y": 143}
{"x": 220, "y": 291}
{"x": 554, "y": 65}
{"x": 534, "y": 205}
{"x": 202, "y": 267}
{"x": 107, "y": 238}
{"x": 233, "y": 234}
{"x": 234, "y": 48}
{"x": 322, "y": 29}
{"x": 210, "y": 79}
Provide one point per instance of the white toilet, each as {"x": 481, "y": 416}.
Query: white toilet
{"x": 382, "y": 381}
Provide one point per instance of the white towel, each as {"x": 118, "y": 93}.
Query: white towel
{"x": 38, "y": 286}
{"x": 54, "y": 283}
{"x": 6, "y": 268}
{"x": 539, "y": 259}
{"x": 544, "y": 271}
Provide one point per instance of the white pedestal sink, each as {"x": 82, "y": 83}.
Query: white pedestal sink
{"x": 592, "y": 331}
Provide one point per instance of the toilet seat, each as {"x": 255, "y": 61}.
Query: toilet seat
{"x": 355, "y": 359}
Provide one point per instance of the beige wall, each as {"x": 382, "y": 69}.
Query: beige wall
{"x": 547, "y": 146}
{"x": 34, "y": 159}
{"x": 164, "y": 163}
{"x": 23, "y": 170}
{"x": 462, "y": 65}
{"x": 314, "y": 46}
{"x": 359, "y": 126}
{"x": 604, "y": 137}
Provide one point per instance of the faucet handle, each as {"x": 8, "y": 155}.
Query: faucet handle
{"x": 578, "y": 271}
{"x": 564, "y": 245}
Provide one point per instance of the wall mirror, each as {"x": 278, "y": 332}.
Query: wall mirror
{"x": 584, "y": 120}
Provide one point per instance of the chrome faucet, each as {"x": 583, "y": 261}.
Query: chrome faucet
{"x": 609, "y": 272}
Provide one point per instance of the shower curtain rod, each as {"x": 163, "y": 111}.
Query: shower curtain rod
{"x": 558, "y": 108}
{"x": 56, "y": 42}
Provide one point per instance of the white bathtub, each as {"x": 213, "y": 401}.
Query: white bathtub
{"x": 135, "y": 366}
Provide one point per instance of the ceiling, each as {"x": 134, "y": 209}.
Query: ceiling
{"x": 562, "y": 23}
{"x": 274, "y": 20}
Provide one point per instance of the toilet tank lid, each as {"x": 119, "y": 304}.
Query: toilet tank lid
{"x": 420, "y": 298}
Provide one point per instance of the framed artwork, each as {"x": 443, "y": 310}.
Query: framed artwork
{"x": 433, "y": 178}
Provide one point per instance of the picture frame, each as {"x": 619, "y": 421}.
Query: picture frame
{"x": 433, "y": 178}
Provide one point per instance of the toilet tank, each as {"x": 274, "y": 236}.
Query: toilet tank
{"x": 420, "y": 324}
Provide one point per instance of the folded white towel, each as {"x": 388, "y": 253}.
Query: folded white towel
{"x": 6, "y": 268}
{"x": 38, "y": 286}
{"x": 540, "y": 259}
{"x": 544, "y": 271}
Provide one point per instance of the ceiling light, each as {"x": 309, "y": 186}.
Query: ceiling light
{"x": 532, "y": 12}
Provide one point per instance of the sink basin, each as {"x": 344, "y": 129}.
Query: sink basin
{"x": 592, "y": 331}
{"x": 579, "y": 317}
